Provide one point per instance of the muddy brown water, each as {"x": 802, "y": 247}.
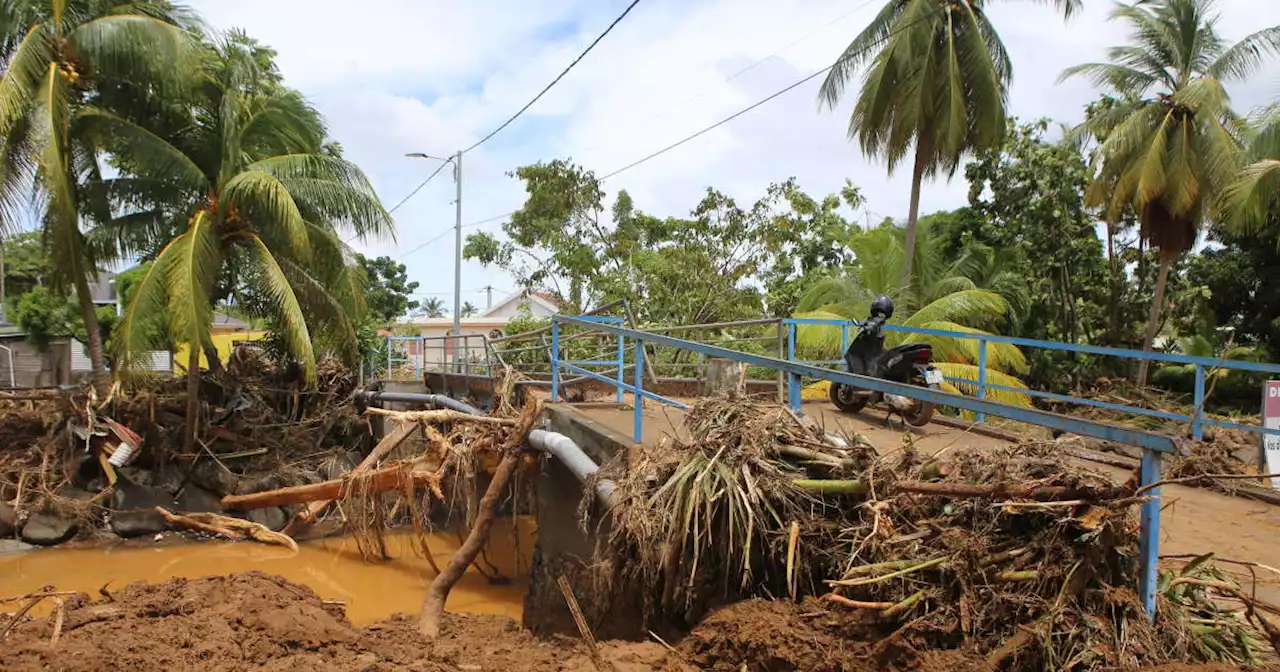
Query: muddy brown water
{"x": 332, "y": 567}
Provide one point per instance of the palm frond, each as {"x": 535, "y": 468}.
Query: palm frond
{"x": 138, "y": 46}
{"x": 1000, "y": 356}
{"x": 292, "y": 319}
{"x": 22, "y": 77}
{"x": 974, "y": 306}
{"x": 143, "y": 326}
{"x": 191, "y": 274}
{"x": 820, "y": 341}
{"x": 157, "y": 157}
{"x": 329, "y": 308}
{"x": 1246, "y": 56}
{"x": 965, "y": 372}
{"x": 263, "y": 197}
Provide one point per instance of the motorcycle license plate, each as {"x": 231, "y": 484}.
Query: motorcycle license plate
{"x": 933, "y": 376}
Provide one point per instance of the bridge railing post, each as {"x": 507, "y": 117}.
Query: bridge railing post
{"x": 555, "y": 360}
{"x": 638, "y": 429}
{"x": 1149, "y": 541}
{"x": 622, "y": 357}
{"x": 1197, "y": 415}
{"x": 793, "y": 380}
{"x": 982, "y": 376}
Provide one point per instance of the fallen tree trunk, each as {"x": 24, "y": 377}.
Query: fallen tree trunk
{"x": 395, "y": 477}
{"x": 433, "y": 604}
{"x": 307, "y": 516}
{"x": 438, "y": 593}
{"x": 944, "y": 489}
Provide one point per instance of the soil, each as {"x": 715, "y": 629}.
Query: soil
{"x": 260, "y": 621}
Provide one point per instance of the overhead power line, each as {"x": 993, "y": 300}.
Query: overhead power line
{"x": 762, "y": 101}
{"x": 710, "y": 128}
{"x": 557, "y": 79}
{"x": 418, "y": 188}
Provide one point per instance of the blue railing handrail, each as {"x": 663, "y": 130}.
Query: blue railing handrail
{"x": 1167, "y": 357}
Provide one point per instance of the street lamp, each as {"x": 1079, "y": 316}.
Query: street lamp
{"x": 456, "y": 160}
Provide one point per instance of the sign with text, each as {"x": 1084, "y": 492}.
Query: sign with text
{"x": 1271, "y": 420}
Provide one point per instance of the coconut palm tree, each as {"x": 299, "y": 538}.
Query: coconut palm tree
{"x": 55, "y": 52}
{"x": 253, "y": 189}
{"x": 1171, "y": 144}
{"x": 937, "y": 84}
{"x": 433, "y": 307}
{"x": 940, "y": 297}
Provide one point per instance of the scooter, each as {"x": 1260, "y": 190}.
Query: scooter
{"x": 910, "y": 363}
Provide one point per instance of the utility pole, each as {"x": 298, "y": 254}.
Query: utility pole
{"x": 457, "y": 260}
{"x": 488, "y": 301}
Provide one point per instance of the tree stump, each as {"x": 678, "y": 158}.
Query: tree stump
{"x": 724, "y": 375}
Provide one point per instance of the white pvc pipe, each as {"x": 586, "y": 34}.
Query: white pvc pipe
{"x": 564, "y": 449}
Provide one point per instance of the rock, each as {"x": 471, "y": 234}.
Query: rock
{"x": 338, "y": 465}
{"x": 134, "y": 505}
{"x": 212, "y": 477}
{"x": 273, "y": 517}
{"x": 195, "y": 499}
{"x": 8, "y": 520}
{"x": 10, "y": 546}
{"x": 48, "y": 529}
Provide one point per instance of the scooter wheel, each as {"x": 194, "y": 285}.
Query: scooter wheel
{"x": 921, "y": 413}
{"x": 846, "y": 399}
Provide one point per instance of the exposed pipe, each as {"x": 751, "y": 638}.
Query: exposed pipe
{"x": 421, "y": 398}
{"x": 564, "y": 449}
{"x": 558, "y": 445}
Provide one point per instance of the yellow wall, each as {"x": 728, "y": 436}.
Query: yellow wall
{"x": 222, "y": 341}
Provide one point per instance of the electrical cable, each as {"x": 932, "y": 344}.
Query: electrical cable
{"x": 557, "y": 79}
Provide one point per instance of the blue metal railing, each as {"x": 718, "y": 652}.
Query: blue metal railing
{"x": 1152, "y": 445}
{"x": 417, "y": 362}
{"x": 1197, "y": 419}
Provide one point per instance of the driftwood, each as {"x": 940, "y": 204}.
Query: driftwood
{"x": 308, "y": 514}
{"x": 231, "y": 528}
{"x": 438, "y": 592}
{"x": 443, "y": 415}
{"x": 395, "y": 477}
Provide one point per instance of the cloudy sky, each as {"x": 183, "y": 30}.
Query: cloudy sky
{"x": 433, "y": 76}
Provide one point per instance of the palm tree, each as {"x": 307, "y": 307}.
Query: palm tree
{"x": 252, "y": 188}
{"x": 55, "y": 52}
{"x": 433, "y": 307}
{"x": 1171, "y": 144}
{"x": 940, "y": 297}
{"x": 467, "y": 309}
{"x": 937, "y": 82}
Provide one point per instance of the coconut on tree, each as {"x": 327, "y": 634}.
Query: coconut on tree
{"x": 1171, "y": 143}
{"x": 936, "y": 88}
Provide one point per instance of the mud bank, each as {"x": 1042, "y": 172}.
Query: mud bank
{"x": 263, "y": 622}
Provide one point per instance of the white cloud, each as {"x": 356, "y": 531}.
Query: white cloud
{"x": 400, "y": 76}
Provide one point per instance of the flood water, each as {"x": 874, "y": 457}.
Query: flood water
{"x": 332, "y": 567}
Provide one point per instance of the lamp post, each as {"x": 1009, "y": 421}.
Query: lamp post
{"x": 456, "y": 160}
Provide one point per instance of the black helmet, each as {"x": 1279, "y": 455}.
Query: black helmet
{"x": 882, "y": 306}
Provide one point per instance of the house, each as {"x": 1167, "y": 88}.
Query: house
{"x": 22, "y": 365}
{"x": 226, "y": 331}
{"x": 492, "y": 323}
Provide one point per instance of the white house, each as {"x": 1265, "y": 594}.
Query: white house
{"x": 491, "y": 323}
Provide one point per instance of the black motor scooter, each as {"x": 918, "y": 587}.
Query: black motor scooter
{"x": 910, "y": 363}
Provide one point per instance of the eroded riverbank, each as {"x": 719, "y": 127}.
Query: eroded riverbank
{"x": 331, "y": 566}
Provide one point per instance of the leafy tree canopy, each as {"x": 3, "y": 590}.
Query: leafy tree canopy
{"x": 387, "y": 288}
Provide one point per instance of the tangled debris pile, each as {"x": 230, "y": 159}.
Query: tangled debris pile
{"x": 1015, "y": 556}
{"x": 261, "y": 427}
